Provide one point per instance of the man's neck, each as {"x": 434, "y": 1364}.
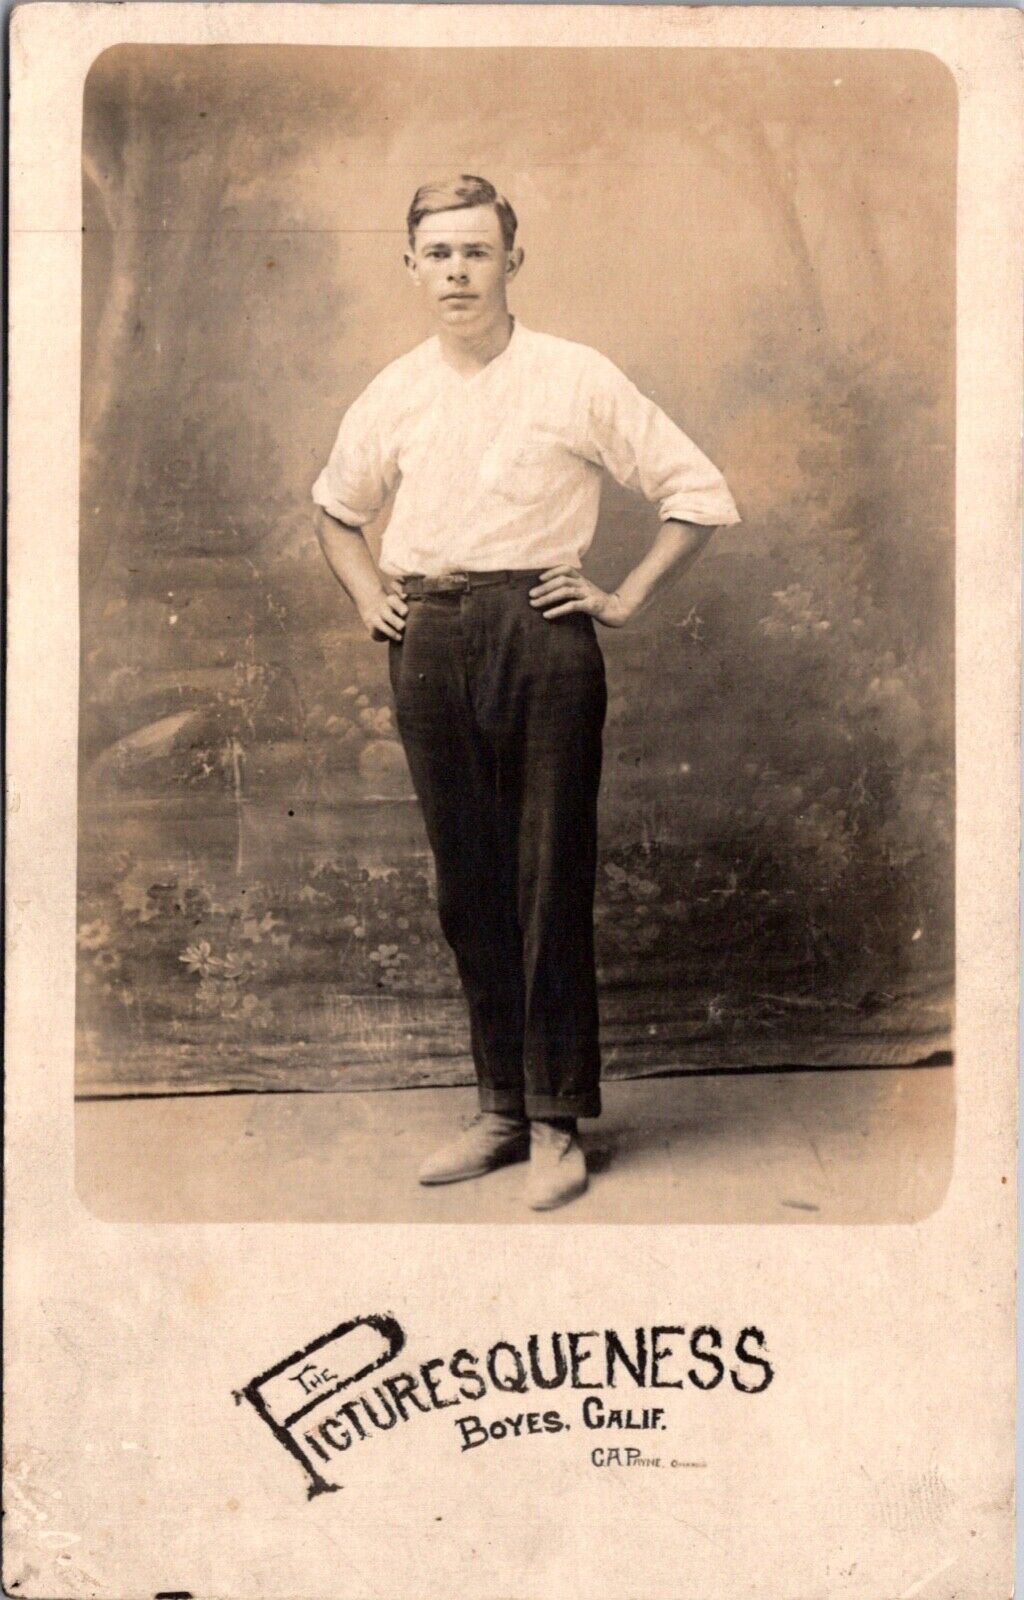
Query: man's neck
{"x": 474, "y": 349}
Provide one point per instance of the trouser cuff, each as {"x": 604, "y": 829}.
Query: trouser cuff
{"x": 505, "y": 1103}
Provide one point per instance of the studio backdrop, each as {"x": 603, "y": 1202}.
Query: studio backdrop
{"x": 764, "y": 243}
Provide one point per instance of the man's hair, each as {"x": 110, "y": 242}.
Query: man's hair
{"x": 459, "y": 194}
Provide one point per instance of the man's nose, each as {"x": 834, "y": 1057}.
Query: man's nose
{"x": 457, "y": 269}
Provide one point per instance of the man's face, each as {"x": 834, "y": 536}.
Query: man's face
{"x": 460, "y": 262}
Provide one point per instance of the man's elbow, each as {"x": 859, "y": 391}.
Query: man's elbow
{"x": 328, "y": 525}
{"x": 694, "y": 534}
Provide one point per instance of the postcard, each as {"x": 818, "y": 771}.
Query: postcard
{"x": 514, "y": 665}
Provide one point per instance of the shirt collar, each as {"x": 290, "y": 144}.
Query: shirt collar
{"x": 504, "y": 357}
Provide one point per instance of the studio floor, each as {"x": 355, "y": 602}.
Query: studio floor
{"x": 856, "y": 1146}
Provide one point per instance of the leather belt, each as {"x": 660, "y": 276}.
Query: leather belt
{"x": 416, "y": 585}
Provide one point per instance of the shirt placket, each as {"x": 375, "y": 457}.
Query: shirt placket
{"x": 473, "y": 414}
{"x": 459, "y": 444}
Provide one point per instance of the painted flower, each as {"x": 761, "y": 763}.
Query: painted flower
{"x": 235, "y": 965}
{"x": 199, "y": 958}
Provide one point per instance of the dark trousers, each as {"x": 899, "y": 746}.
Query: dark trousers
{"x": 501, "y": 715}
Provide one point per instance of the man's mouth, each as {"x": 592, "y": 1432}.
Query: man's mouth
{"x": 458, "y": 296}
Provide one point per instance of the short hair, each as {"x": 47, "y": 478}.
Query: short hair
{"x": 459, "y": 194}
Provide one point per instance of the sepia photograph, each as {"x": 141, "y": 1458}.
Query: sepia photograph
{"x": 516, "y": 699}
{"x": 512, "y": 950}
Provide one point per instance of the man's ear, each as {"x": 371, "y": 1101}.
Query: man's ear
{"x": 513, "y": 261}
{"x": 411, "y": 267}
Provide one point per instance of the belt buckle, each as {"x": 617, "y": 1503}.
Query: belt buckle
{"x": 454, "y": 583}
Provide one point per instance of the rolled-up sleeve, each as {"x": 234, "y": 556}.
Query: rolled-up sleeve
{"x": 360, "y": 474}
{"x": 643, "y": 449}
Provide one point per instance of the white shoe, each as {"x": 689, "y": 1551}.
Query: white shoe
{"x": 558, "y": 1167}
{"x": 491, "y": 1140}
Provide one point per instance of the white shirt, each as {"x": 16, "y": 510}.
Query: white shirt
{"x": 503, "y": 468}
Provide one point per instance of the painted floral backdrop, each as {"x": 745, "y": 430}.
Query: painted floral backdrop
{"x": 776, "y": 267}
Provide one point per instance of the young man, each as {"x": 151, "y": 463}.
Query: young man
{"x": 489, "y": 441}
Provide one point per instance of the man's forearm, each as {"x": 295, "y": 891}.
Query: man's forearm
{"x": 349, "y": 558}
{"x": 675, "y": 549}
{"x": 383, "y": 610}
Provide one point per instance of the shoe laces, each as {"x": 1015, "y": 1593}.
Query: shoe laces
{"x": 558, "y": 1140}
{"x": 479, "y": 1117}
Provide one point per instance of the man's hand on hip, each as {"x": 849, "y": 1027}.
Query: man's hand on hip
{"x": 562, "y": 590}
{"x": 384, "y": 615}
